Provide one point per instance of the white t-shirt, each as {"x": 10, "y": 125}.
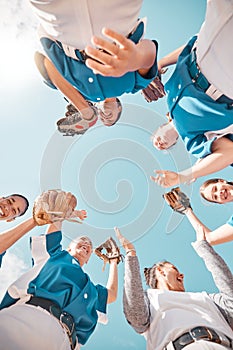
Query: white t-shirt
{"x": 174, "y": 313}
{"x": 74, "y": 22}
{"x": 214, "y": 45}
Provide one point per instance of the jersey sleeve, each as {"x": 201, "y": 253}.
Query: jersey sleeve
{"x": 42, "y": 247}
{"x": 198, "y": 145}
{"x": 102, "y": 298}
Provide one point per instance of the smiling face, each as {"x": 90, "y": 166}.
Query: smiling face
{"x": 169, "y": 278}
{"x": 11, "y": 207}
{"x": 81, "y": 249}
{"x": 165, "y": 136}
{"x": 219, "y": 192}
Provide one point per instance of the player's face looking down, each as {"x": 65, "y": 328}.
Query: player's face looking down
{"x": 164, "y": 137}
{"x": 110, "y": 111}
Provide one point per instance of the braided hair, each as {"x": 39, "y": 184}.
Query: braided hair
{"x": 150, "y": 274}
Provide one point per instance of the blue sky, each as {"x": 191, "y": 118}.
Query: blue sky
{"x": 107, "y": 169}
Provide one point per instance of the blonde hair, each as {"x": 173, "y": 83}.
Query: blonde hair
{"x": 85, "y": 239}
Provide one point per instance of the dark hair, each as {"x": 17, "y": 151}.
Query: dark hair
{"x": 210, "y": 182}
{"x": 150, "y": 274}
{"x": 25, "y": 199}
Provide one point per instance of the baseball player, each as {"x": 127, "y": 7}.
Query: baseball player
{"x": 200, "y": 96}
{"x": 57, "y": 201}
{"x": 11, "y": 207}
{"x": 165, "y": 136}
{"x": 72, "y": 65}
{"x": 58, "y": 294}
{"x": 218, "y": 191}
{"x": 167, "y": 315}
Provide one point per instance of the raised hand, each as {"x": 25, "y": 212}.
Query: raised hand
{"x": 166, "y": 178}
{"x": 126, "y": 244}
{"x": 119, "y": 56}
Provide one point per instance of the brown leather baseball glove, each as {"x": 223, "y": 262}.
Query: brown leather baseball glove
{"x": 111, "y": 251}
{"x": 177, "y": 200}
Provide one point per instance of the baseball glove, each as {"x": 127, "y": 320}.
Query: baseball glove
{"x": 177, "y": 200}
{"x": 154, "y": 90}
{"x": 54, "y": 205}
{"x": 112, "y": 251}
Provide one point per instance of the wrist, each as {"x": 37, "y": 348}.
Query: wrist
{"x": 131, "y": 252}
{"x": 188, "y": 210}
{"x": 113, "y": 261}
{"x": 185, "y": 176}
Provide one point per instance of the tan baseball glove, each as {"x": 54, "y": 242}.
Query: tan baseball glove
{"x": 177, "y": 200}
{"x": 54, "y": 205}
{"x": 112, "y": 251}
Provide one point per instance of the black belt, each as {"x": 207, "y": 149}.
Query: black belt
{"x": 200, "y": 80}
{"x": 63, "y": 317}
{"x": 201, "y": 333}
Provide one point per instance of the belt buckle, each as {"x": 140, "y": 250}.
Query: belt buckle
{"x": 199, "y": 333}
{"x": 68, "y": 322}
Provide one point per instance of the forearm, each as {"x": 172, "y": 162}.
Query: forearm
{"x": 221, "y": 157}
{"x": 194, "y": 221}
{"x": 220, "y": 235}
{"x": 146, "y": 55}
{"x": 136, "y": 307}
{"x": 112, "y": 284}
{"x": 8, "y": 238}
{"x": 216, "y": 265}
{"x": 170, "y": 59}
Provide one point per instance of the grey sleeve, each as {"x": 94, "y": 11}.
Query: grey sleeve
{"x": 222, "y": 277}
{"x": 135, "y": 301}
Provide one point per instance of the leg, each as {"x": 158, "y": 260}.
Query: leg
{"x": 24, "y": 327}
{"x": 68, "y": 90}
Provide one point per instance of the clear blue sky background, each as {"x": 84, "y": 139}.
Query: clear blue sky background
{"x": 107, "y": 169}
